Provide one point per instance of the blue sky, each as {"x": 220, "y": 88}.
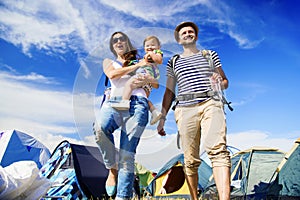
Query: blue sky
{"x": 52, "y": 80}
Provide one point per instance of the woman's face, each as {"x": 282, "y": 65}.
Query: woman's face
{"x": 119, "y": 44}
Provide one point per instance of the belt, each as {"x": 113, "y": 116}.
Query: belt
{"x": 191, "y": 96}
{"x": 115, "y": 98}
{"x": 133, "y": 98}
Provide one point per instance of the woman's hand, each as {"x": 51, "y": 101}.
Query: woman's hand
{"x": 141, "y": 80}
{"x": 151, "y": 80}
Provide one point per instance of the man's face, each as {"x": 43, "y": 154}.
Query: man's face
{"x": 187, "y": 35}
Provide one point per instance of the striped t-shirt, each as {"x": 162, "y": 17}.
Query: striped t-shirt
{"x": 192, "y": 75}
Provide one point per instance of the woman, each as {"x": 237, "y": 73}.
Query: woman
{"x": 132, "y": 121}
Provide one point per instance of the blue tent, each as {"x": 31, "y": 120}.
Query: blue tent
{"x": 17, "y": 146}
{"x": 251, "y": 172}
{"x": 286, "y": 184}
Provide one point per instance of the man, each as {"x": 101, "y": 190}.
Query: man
{"x": 199, "y": 113}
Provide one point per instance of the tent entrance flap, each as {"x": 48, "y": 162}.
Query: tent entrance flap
{"x": 172, "y": 182}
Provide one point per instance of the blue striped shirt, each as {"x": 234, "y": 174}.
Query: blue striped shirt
{"x": 192, "y": 75}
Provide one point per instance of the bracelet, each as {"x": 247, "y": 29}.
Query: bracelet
{"x": 163, "y": 117}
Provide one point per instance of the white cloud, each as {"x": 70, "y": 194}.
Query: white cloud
{"x": 46, "y": 24}
{"x": 152, "y": 10}
{"x": 83, "y": 25}
{"x": 34, "y": 77}
{"x": 26, "y": 107}
{"x": 255, "y": 138}
{"x": 24, "y": 101}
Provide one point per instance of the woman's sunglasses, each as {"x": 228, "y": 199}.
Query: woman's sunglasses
{"x": 115, "y": 40}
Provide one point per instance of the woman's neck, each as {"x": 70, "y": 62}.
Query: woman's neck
{"x": 120, "y": 59}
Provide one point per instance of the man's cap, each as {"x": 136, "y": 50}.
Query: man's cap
{"x": 184, "y": 24}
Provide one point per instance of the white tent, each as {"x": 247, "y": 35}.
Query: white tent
{"x": 18, "y": 146}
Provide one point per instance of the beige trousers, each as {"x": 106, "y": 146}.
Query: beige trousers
{"x": 206, "y": 122}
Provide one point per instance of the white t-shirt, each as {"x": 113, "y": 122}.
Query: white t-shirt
{"x": 118, "y": 84}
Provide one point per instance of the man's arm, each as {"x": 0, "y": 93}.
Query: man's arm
{"x": 166, "y": 104}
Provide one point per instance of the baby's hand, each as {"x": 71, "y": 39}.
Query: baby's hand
{"x": 148, "y": 57}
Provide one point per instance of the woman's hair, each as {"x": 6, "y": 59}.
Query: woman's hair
{"x": 150, "y": 38}
{"x": 131, "y": 52}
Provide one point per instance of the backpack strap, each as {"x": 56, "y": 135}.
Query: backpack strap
{"x": 105, "y": 90}
{"x": 208, "y": 55}
{"x": 173, "y": 60}
{"x": 106, "y": 81}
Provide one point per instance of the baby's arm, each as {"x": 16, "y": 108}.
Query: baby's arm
{"x": 156, "y": 56}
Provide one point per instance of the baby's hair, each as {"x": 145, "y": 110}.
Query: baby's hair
{"x": 151, "y": 37}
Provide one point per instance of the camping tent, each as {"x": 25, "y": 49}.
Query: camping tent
{"x": 286, "y": 183}
{"x": 170, "y": 180}
{"x": 76, "y": 171}
{"x": 18, "y": 146}
{"x": 251, "y": 173}
{"x": 144, "y": 175}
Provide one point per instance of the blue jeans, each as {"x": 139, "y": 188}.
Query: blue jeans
{"x": 132, "y": 123}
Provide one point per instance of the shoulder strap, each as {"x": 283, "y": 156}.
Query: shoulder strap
{"x": 105, "y": 89}
{"x": 106, "y": 81}
{"x": 207, "y": 54}
{"x": 173, "y": 60}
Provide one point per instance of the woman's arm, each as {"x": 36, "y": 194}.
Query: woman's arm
{"x": 113, "y": 73}
{"x": 150, "y": 79}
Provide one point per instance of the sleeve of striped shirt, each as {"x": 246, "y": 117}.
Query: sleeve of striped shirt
{"x": 170, "y": 71}
{"x": 216, "y": 59}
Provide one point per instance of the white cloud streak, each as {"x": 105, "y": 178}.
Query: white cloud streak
{"x": 82, "y": 25}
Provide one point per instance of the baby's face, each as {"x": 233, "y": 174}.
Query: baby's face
{"x": 151, "y": 45}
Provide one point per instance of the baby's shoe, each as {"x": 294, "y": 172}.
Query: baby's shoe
{"x": 156, "y": 115}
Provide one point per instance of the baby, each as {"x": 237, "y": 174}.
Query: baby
{"x": 154, "y": 56}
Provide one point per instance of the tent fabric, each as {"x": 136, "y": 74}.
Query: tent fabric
{"x": 21, "y": 181}
{"x": 77, "y": 171}
{"x": 18, "y": 146}
{"x": 251, "y": 172}
{"x": 60, "y": 171}
{"x": 287, "y": 184}
{"x": 144, "y": 175}
{"x": 90, "y": 169}
{"x": 170, "y": 180}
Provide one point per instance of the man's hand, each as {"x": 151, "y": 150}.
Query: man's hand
{"x": 160, "y": 127}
